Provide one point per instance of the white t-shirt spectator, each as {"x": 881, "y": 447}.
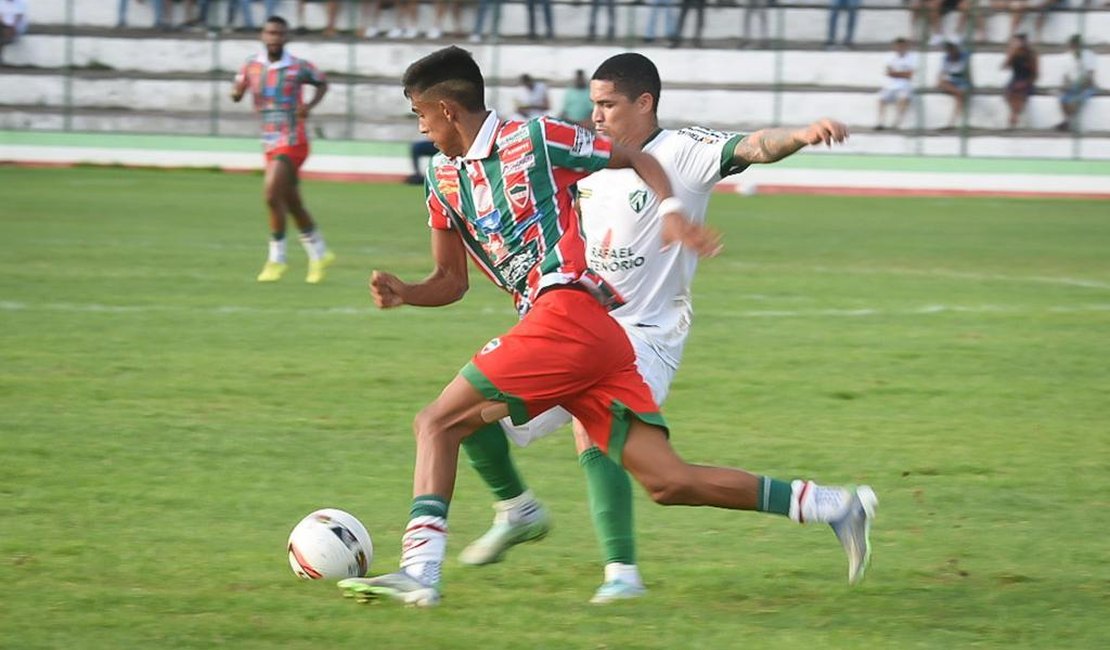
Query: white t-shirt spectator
{"x": 900, "y": 63}
{"x": 14, "y": 14}
{"x": 537, "y": 96}
{"x": 1082, "y": 67}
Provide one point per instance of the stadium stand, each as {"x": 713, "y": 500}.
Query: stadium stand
{"x": 76, "y": 70}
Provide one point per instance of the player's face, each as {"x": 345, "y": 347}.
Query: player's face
{"x": 274, "y": 36}
{"x": 615, "y": 115}
{"x": 434, "y": 123}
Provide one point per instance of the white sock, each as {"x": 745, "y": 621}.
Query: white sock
{"x": 628, "y": 573}
{"x": 519, "y": 508}
{"x": 811, "y": 503}
{"x": 277, "y": 251}
{"x": 313, "y": 243}
{"x": 424, "y": 545}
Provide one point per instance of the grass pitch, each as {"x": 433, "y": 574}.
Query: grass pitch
{"x": 166, "y": 420}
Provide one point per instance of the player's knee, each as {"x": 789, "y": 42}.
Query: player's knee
{"x": 431, "y": 422}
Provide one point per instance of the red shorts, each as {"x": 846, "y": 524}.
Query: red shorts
{"x": 296, "y": 154}
{"x": 567, "y": 351}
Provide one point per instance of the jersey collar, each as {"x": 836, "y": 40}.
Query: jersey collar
{"x": 654, "y": 135}
{"x": 483, "y": 143}
{"x": 284, "y": 62}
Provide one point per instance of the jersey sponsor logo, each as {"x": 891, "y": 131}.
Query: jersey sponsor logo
{"x": 701, "y": 134}
{"x": 603, "y": 257}
{"x": 518, "y": 166}
{"x": 583, "y": 143}
{"x": 490, "y": 347}
{"x": 516, "y": 150}
{"x": 516, "y": 268}
{"x": 637, "y": 200}
{"x": 495, "y": 248}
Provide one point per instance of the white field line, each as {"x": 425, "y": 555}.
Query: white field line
{"x": 937, "y": 273}
{"x": 229, "y": 310}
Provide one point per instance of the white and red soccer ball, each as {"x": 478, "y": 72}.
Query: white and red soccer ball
{"x": 330, "y": 544}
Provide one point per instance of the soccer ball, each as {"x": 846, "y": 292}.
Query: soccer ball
{"x": 330, "y": 544}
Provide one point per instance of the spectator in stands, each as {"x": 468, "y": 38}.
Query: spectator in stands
{"x": 480, "y": 19}
{"x": 835, "y": 7}
{"x": 1019, "y": 8}
{"x": 754, "y": 8}
{"x": 687, "y": 5}
{"x": 955, "y": 80}
{"x": 1043, "y": 8}
{"x": 159, "y": 7}
{"x": 530, "y": 99}
{"x": 546, "y": 18}
{"x": 972, "y": 11}
{"x": 666, "y": 9}
{"x": 1079, "y": 84}
{"x": 244, "y": 6}
{"x": 577, "y": 106}
{"x": 331, "y": 13}
{"x": 921, "y": 12}
{"x": 899, "y": 85}
{"x": 441, "y": 10}
{"x": 419, "y": 149}
{"x": 1021, "y": 59}
{"x": 406, "y": 15}
{"x": 13, "y": 22}
{"x": 611, "y": 9}
{"x": 194, "y": 16}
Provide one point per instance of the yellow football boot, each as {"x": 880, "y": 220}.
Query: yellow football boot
{"x": 317, "y": 269}
{"x": 272, "y": 271}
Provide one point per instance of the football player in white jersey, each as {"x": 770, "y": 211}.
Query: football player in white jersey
{"x": 621, "y": 221}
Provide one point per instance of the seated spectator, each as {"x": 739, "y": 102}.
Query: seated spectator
{"x": 1079, "y": 84}
{"x": 577, "y": 106}
{"x": 419, "y": 149}
{"x": 1021, "y": 59}
{"x": 530, "y": 99}
{"x": 835, "y": 7}
{"x": 248, "y": 17}
{"x": 13, "y": 22}
{"x": 1043, "y": 9}
{"x": 331, "y": 12}
{"x": 955, "y": 80}
{"x": 159, "y": 7}
{"x": 899, "y": 85}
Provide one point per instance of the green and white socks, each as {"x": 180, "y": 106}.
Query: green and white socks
{"x": 424, "y": 544}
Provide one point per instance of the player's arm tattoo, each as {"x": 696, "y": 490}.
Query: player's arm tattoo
{"x": 768, "y": 146}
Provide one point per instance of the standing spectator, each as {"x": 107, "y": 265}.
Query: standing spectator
{"x": 687, "y": 5}
{"x": 835, "y": 7}
{"x": 666, "y": 8}
{"x": 331, "y": 12}
{"x": 1024, "y": 69}
{"x": 955, "y": 80}
{"x": 480, "y": 19}
{"x": 899, "y": 85}
{"x": 757, "y": 7}
{"x": 244, "y": 6}
{"x": 404, "y": 19}
{"x": 610, "y": 6}
{"x": 1079, "y": 84}
{"x": 442, "y": 7}
{"x": 577, "y": 106}
{"x": 546, "y": 18}
{"x": 13, "y": 22}
{"x": 159, "y": 7}
{"x": 530, "y": 99}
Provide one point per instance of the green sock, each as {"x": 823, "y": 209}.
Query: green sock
{"x": 488, "y": 451}
{"x": 610, "y": 506}
{"x": 428, "y": 505}
{"x": 774, "y": 496}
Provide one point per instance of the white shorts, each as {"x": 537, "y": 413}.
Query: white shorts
{"x": 657, "y": 374}
{"x": 892, "y": 94}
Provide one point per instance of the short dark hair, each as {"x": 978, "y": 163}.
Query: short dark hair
{"x": 450, "y": 72}
{"x": 632, "y": 75}
{"x": 1076, "y": 40}
{"x": 900, "y": 41}
{"x": 279, "y": 20}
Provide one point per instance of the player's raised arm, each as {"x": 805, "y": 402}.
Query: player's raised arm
{"x": 772, "y": 145}
{"x": 677, "y": 227}
{"x": 447, "y": 283}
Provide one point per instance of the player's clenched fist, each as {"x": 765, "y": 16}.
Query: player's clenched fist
{"x": 386, "y": 289}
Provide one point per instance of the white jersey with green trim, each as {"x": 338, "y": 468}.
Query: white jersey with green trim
{"x": 622, "y": 224}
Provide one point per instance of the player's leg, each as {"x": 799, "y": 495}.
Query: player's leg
{"x": 519, "y": 516}
{"x": 649, "y": 457}
{"x": 274, "y": 195}
{"x": 312, "y": 240}
{"x": 439, "y": 429}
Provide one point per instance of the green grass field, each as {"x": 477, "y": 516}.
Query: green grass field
{"x": 166, "y": 420}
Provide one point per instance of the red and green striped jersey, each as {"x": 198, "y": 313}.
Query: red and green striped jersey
{"x": 276, "y": 88}
{"x": 511, "y": 201}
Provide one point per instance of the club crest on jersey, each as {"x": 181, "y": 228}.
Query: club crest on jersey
{"x": 491, "y": 346}
{"x": 637, "y": 199}
{"x": 519, "y": 195}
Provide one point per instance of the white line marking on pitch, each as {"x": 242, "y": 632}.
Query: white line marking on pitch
{"x": 941, "y": 273}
